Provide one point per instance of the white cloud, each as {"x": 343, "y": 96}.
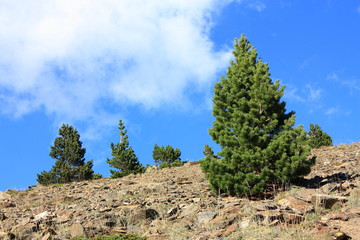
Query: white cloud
{"x": 332, "y": 111}
{"x": 69, "y": 57}
{"x": 257, "y": 5}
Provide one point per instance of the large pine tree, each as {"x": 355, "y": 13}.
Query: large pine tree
{"x": 258, "y": 140}
{"x": 123, "y": 156}
{"x": 70, "y": 162}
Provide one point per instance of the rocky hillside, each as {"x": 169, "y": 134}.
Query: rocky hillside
{"x": 176, "y": 203}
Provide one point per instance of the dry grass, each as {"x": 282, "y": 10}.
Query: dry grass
{"x": 354, "y": 198}
{"x": 290, "y": 191}
{"x": 293, "y": 232}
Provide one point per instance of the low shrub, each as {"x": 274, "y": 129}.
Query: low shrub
{"x": 176, "y": 163}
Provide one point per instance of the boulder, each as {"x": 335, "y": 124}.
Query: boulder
{"x": 327, "y": 201}
{"x": 76, "y": 230}
{"x": 230, "y": 229}
{"x": 139, "y": 215}
{"x": 297, "y": 205}
{"x": 4, "y": 196}
{"x": 3, "y": 235}
{"x": 7, "y": 204}
{"x": 43, "y": 215}
{"x": 204, "y": 217}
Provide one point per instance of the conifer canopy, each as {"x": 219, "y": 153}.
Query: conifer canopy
{"x": 259, "y": 144}
{"x": 318, "y": 137}
{"x": 165, "y": 154}
{"x": 70, "y": 162}
{"x": 123, "y": 156}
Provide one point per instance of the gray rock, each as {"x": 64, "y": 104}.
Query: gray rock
{"x": 204, "y": 217}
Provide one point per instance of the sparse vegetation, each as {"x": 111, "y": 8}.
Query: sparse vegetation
{"x": 176, "y": 204}
{"x": 128, "y": 236}
{"x": 311, "y": 218}
{"x": 176, "y": 163}
{"x": 354, "y": 199}
{"x": 12, "y": 191}
{"x": 289, "y": 191}
{"x": 97, "y": 176}
{"x": 58, "y": 184}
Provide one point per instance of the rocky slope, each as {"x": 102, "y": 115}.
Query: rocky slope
{"x": 176, "y": 203}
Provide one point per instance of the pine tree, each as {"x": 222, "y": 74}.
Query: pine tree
{"x": 208, "y": 152}
{"x": 70, "y": 163}
{"x": 259, "y": 144}
{"x": 124, "y": 158}
{"x": 318, "y": 137}
{"x": 166, "y": 156}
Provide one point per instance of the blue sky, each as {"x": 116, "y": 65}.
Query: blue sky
{"x": 153, "y": 64}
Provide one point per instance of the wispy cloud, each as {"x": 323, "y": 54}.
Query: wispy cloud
{"x": 257, "y": 5}
{"x": 68, "y": 58}
{"x": 308, "y": 94}
{"x": 331, "y": 111}
{"x": 313, "y": 94}
{"x": 352, "y": 83}
{"x": 306, "y": 63}
{"x": 292, "y": 94}
{"x": 333, "y": 76}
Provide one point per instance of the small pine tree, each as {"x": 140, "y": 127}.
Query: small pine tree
{"x": 259, "y": 144}
{"x": 208, "y": 152}
{"x": 124, "y": 158}
{"x": 97, "y": 176}
{"x": 70, "y": 163}
{"x": 166, "y": 156}
{"x": 318, "y": 137}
